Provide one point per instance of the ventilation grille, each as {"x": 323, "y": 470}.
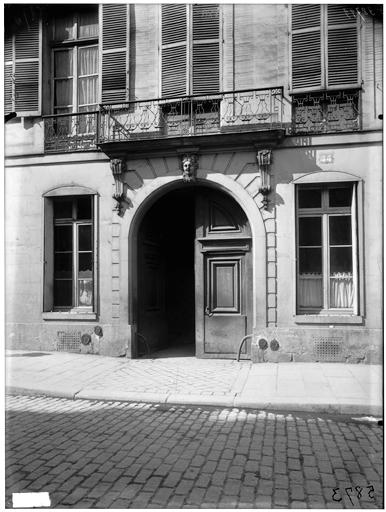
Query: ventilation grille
{"x": 328, "y": 350}
{"x": 68, "y": 341}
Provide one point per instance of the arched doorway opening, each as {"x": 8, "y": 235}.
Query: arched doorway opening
{"x": 194, "y": 274}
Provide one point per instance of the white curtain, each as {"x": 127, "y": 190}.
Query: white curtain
{"x": 311, "y": 290}
{"x": 88, "y": 85}
{"x": 88, "y": 24}
{"x": 341, "y": 290}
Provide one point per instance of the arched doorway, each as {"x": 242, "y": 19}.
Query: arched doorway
{"x": 194, "y": 273}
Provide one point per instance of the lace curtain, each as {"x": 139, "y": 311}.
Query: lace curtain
{"x": 341, "y": 290}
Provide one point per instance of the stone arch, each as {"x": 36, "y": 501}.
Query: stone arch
{"x": 145, "y": 197}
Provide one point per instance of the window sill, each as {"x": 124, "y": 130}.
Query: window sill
{"x": 68, "y": 315}
{"x": 328, "y": 319}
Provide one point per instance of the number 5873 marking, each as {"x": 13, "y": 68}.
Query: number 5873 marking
{"x": 356, "y": 491}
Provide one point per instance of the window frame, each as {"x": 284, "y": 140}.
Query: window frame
{"x": 50, "y": 311}
{"x": 73, "y": 45}
{"x": 304, "y": 314}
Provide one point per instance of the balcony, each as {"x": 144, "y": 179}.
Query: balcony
{"x": 170, "y": 122}
{"x": 163, "y": 120}
{"x": 65, "y": 133}
{"x": 325, "y": 112}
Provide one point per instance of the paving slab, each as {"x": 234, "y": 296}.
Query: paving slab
{"x": 325, "y": 387}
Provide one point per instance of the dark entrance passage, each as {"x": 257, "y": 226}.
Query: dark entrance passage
{"x": 166, "y": 293}
{"x": 194, "y": 274}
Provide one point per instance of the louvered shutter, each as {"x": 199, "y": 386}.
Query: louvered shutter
{"x": 174, "y": 50}
{"x": 306, "y": 46}
{"x": 206, "y": 49}
{"x": 378, "y": 54}
{"x": 8, "y": 74}
{"x": 342, "y": 47}
{"x": 114, "y": 52}
{"x": 22, "y": 53}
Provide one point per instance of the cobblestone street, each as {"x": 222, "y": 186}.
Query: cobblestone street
{"x": 119, "y": 455}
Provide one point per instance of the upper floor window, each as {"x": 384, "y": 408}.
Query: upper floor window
{"x": 190, "y": 53}
{"x": 75, "y": 63}
{"x": 326, "y": 248}
{"x": 324, "y": 47}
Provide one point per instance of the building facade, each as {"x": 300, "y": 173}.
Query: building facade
{"x": 195, "y": 174}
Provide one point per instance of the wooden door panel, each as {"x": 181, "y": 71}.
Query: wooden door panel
{"x": 223, "y": 292}
{"x": 223, "y": 333}
{"x": 223, "y": 275}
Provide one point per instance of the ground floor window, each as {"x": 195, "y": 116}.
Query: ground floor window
{"x": 326, "y": 248}
{"x": 70, "y": 253}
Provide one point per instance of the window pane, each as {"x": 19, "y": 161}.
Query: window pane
{"x": 63, "y": 293}
{"x": 63, "y": 64}
{"x": 63, "y": 238}
{"x": 88, "y": 60}
{"x": 342, "y": 291}
{"x": 63, "y": 92}
{"x": 63, "y": 209}
{"x": 84, "y": 208}
{"x": 340, "y": 196}
{"x": 340, "y": 260}
{"x": 63, "y": 265}
{"x": 88, "y": 88}
{"x": 85, "y": 292}
{"x": 88, "y": 24}
{"x": 310, "y": 261}
{"x": 85, "y": 264}
{"x": 310, "y": 231}
{"x": 64, "y": 28}
{"x": 85, "y": 238}
{"x": 310, "y": 198}
{"x": 340, "y": 230}
{"x": 310, "y": 292}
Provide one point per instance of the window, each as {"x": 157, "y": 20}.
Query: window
{"x": 326, "y": 249}
{"x": 73, "y": 252}
{"x": 190, "y": 52}
{"x": 324, "y": 47}
{"x": 75, "y": 63}
{"x": 70, "y": 246}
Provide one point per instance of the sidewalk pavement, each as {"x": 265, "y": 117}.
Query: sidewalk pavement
{"x": 315, "y": 387}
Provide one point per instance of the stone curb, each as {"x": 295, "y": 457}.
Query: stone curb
{"x": 197, "y": 400}
{"x": 52, "y": 392}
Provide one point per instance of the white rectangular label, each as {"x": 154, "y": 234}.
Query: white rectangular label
{"x": 30, "y": 499}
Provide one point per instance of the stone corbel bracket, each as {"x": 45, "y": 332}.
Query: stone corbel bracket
{"x": 118, "y": 168}
{"x": 264, "y": 160}
{"x": 189, "y": 166}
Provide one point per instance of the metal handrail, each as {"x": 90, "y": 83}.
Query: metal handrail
{"x": 241, "y": 345}
{"x": 166, "y": 99}
{"x": 70, "y": 114}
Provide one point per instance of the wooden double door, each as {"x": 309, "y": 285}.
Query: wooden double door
{"x": 195, "y": 273}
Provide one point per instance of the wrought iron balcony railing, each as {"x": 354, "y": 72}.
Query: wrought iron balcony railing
{"x": 227, "y": 112}
{"x": 70, "y": 132}
{"x": 326, "y": 112}
{"x": 230, "y": 112}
